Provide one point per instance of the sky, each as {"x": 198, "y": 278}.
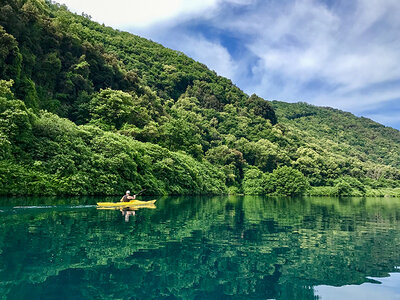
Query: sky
{"x": 339, "y": 53}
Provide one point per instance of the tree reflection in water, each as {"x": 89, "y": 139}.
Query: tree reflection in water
{"x": 199, "y": 247}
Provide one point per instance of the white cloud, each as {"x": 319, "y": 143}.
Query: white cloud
{"x": 141, "y": 14}
{"x": 210, "y": 53}
{"x": 347, "y": 48}
{"x": 137, "y": 13}
{"x": 359, "y": 102}
{"x": 389, "y": 119}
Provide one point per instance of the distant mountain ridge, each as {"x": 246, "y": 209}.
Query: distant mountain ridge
{"x": 373, "y": 141}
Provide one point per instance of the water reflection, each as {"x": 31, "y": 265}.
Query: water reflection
{"x": 198, "y": 247}
{"x": 127, "y": 212}
{"x": 382, "y": 288}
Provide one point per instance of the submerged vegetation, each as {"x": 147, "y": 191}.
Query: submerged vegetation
{"x": 86, "y": 109}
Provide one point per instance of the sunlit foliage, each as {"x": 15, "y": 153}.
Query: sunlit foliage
{"x": 86, "y": 109}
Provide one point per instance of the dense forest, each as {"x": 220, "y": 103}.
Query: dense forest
{"x": 86, "y": 109}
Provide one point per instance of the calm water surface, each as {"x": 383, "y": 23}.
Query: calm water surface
{"x": 201, "y": 248}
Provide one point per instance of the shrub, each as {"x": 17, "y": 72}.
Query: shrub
{"x": 349, "y": 186}
{"x": 253, "y": 182}
{"x": 286, "y": 181}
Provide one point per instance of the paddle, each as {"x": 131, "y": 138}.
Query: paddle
{"x": 140, "y": 192}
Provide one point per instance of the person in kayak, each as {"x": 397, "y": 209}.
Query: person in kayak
{"x": 127, "y": 197}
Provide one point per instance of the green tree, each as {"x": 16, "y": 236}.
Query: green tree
{"x": 262, "y": 108}
{"x": 254, "y": 182}
{"x": 10, "y": 57}
{"x": 286, "y": 181}
{"x": 111, "y": 109}
{"x": 15, "y": 119}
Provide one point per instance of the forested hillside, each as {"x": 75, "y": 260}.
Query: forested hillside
{"x": 86, "y": 109}
{"x": 362, "y": 137}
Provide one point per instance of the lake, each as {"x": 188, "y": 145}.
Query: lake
{"x": 236, "y": 247}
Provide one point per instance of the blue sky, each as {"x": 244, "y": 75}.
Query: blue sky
{"x": 344, "y": 54}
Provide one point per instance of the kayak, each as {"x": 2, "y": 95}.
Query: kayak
{"x": 126, "y": 204}
{"x": 133, "y": 207}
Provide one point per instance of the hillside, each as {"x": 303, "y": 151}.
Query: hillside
{"x": 361, "y": 137}
{"x": 86, "y": 109}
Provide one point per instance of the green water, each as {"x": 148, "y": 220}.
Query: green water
{"x": 201, "y": 248}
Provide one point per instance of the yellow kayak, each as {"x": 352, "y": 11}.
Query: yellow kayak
{"x": 132, "y": 207}
{"x": 126, "y": 204}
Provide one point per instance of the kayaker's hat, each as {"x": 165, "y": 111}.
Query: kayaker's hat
{"x": 128, "y": 192}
